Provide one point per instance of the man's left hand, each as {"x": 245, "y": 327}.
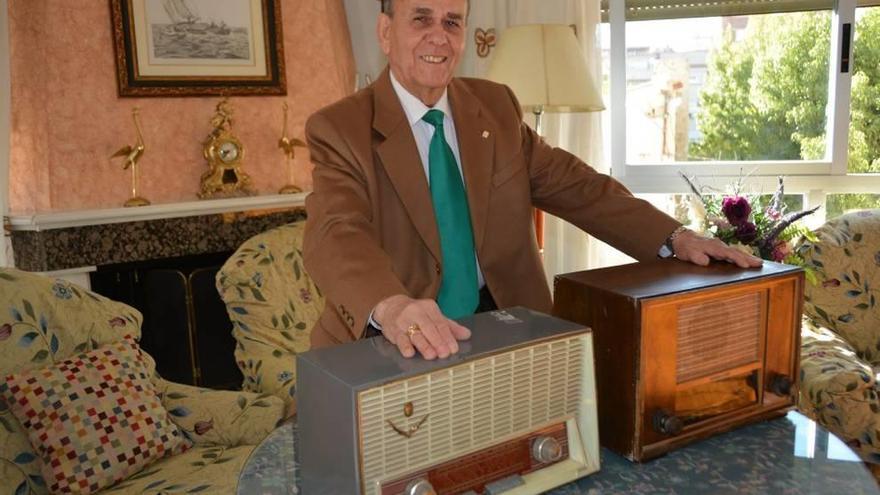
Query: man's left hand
{"x": 699, "y": 250}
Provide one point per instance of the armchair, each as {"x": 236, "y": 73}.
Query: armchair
{"x": 840, "y": 352}
{"x": 45, "y": 321}
{"x": 273, "y": 305}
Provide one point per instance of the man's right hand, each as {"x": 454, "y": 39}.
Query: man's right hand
{"x": 412, "y": 324}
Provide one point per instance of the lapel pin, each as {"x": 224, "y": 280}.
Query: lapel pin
{"x": 485, "y": 134}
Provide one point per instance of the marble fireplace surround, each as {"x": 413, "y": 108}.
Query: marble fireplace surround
{"x": 76, "y": 242}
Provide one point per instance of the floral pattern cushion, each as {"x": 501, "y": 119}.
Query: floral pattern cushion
{"x": 94, "y": 418}
{"x": 840, "y": 349}
{"x": 42, "y": 321}
{"x": 80, "y": 321}
{"x": 273, "y": 305}
{"x": 846, "y": 259}
{"x": 839, "y": 390}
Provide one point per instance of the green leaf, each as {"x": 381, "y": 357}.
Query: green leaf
{"x": 276, "y": 353}
{"x": 210, "y": 455}
{"x": 286, "y": 335}
{"x": 260, "y": 403}
{"x": 274, "y": 321}
{"x": 858, "y": 237}
{"x": 198, "y": 489}
{"x": 27, "y": 339}
{"x": 241, "y": 401}
{"x": 265, "y": 261}
{"x": 29, "y": 309}
{"x": 154, "y": 484}
{"x": 296, "y": 270}
{"x": 258, "y": 295}
{"x": 176, "y": 396}
{"x": 24, "y": 458}
{"x": 223, "y": 461}
{"x": 22, "y": 489}
{"x": 285, "y": 320}
{"x": 301, "y": 326}
{"x": 40, "y": 356}
{"x": 198, "y": 464}
{"x": 6, "y": 424}
{"x": 851, "y": 386}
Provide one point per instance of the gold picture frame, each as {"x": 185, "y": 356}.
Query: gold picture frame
{"x": 198, "y": 47}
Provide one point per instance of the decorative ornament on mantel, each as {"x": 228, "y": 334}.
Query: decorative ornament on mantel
{"x": 287, "y": 145}
{"x": 224, "y": 153}
{"x": 132, "y": 154}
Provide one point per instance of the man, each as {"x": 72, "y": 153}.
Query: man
{"x": 424, "y": 186}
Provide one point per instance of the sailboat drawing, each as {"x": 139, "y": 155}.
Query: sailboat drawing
{"x": 179, "y": 12}
{"x": 192, "y": 36}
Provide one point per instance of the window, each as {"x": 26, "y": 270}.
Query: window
{"x": 726, "y": 88}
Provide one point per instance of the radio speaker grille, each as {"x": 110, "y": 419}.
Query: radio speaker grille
{"x": 492, "y": 398}
{"x": 718, "y": 335}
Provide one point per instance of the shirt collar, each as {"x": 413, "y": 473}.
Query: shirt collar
{"x": 414, "y": 108}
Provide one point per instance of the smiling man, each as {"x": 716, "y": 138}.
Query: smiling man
{"x": 424, "y": 185}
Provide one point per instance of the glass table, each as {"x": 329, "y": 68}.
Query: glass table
{"x": 788, "y": 455}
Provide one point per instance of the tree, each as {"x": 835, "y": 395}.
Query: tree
{"x": 765, "y": 96}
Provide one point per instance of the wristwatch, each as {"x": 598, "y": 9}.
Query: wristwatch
{"x": 669, "y": 240}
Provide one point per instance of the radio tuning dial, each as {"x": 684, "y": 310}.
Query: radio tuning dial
{"x": 546, "y": 449}
{"x": 419, "y": 486}
{"x": 666, "y": 423}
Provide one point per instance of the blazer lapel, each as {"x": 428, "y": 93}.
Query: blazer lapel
{"x": 400, "y": 157}
{"x": 476, "y": 143}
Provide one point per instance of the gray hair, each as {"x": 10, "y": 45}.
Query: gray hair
{"x": 388, "y": 7}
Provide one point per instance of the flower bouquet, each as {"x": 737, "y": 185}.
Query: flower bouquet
{"x": 752, "y": 224}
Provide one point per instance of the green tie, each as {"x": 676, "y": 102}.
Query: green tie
{"x": 459, "y": 294}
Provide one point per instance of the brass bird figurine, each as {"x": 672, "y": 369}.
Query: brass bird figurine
{"x": 288, "y": 146}
{"x": 132, "y": 154}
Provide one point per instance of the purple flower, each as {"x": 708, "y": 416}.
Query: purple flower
{"x": 203, "y": 427}
{"x": 737, "y": 209}
{"x": 305, "y": 295}
{"x": 746, "y": 232}
{"x": 780, "y": 251}
{"x": 116, "y": 322}
{"x": 831, "y": 283}
{"x": 5, "y": 331}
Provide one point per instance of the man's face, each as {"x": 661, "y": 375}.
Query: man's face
{"x": 423, "y": 43}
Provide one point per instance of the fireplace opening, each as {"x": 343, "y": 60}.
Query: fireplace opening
{"x": 186, "y": 328}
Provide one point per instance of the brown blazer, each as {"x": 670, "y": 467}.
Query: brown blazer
{"x": 371, "y": 231}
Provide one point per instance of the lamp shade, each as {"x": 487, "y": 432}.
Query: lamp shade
{"x": 546, "y": 69}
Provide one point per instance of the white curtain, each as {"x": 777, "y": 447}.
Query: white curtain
{"x": 567, "y": 248}
{"x": 5, "y": 129}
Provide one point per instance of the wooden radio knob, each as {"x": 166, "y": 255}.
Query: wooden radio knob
{"x": 546, "y": 449}
{"x": 780, "y": 385}
{"x": 667, "y": 423}
{"x": 419, "y": 486}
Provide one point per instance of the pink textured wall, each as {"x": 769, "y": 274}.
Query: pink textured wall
{"x": 67, "y": 118}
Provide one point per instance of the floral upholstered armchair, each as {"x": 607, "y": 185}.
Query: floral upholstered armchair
{"x": 73, "y": 381}
{"x": 273, "y": 305}
{"x": 840, "y": 352}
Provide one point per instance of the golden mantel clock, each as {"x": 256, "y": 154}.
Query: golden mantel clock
{"x": 225, "y": 155}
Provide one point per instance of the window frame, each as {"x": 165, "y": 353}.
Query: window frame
{"x": 814, "y": 179}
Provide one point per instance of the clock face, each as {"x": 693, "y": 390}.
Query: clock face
{"x": 228, "y": 152}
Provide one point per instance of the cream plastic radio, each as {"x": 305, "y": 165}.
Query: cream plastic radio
{"x": 513, "y": 412}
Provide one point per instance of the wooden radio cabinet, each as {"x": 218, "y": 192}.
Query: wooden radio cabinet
{"x": 683, "y": 352}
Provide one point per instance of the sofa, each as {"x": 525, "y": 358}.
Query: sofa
{"x": 840, "y": 352}
{"x": 51, "y": 329}
{"x": 273, "y": 305}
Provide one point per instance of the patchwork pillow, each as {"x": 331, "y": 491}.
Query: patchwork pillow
{"x": 94, "y": 419}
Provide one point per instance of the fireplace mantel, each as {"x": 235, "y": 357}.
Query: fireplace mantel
{"x": 73, "y": 239}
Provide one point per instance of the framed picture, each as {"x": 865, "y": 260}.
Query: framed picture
{"x": 198, "y": 47}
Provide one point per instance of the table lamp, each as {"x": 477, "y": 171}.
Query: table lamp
{"x": 547, "y": 70}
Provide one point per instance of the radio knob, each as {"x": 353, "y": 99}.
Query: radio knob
{"x": 780, "y": 385}
{"x": 546, "y": 449}
{"x": 419, "y": 486}
{"x": 666, "y": 423}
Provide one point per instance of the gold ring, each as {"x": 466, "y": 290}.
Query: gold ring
{"x": 412, "y": 330}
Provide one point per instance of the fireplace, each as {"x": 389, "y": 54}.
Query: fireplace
{"x": 161, "y": 260}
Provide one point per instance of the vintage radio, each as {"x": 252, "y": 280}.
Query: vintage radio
{"x": 683, "y": 351}
{"x": 513, "y": 411}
